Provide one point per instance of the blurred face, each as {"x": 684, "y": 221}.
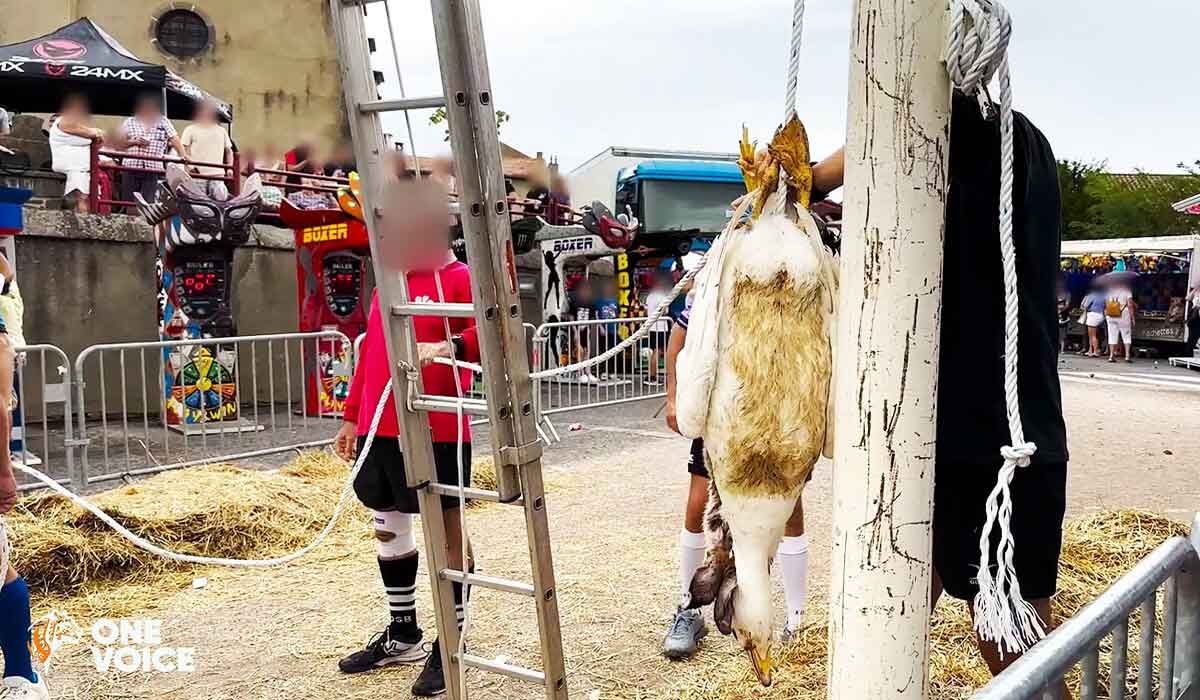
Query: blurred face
{"x": 415, "y": 228}
{"x": 148, "y": 109}
{"x": 75, "y": 106}
{"x": 206, "y": 113}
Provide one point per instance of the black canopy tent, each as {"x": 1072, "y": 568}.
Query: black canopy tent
{"x": 82, "y": 57}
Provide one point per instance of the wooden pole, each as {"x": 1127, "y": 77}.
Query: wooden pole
{"x": 887, "y": 350}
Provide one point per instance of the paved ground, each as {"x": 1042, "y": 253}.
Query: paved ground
{"x": 619, "y": 484}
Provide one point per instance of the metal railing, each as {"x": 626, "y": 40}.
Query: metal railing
{"x": 42, "y": 420}
{"x": 1174, "y": 567}
{"x": 112, "y": 163}
{"x": 634, "y": 375}
{"x": 147, "y": 407}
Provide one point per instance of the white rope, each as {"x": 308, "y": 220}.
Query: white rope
{"x": 137, "y": 541}
{"x": 793, "y": 72}
{"x": 977, "y": 50}
{"x": 412, "y": 145}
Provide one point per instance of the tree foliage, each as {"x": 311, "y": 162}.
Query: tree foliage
{"x": 1097, "y": 204}
{"x": 439, "y": 117}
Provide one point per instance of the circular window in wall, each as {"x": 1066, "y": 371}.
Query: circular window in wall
{"x": 182, "y": 33}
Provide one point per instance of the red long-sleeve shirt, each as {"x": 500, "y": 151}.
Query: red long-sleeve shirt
{"x": 373, "y": 370}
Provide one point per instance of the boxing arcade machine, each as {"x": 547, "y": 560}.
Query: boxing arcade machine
{"x": 332, "y": 257}
{"x": 597, "y": 235}
{"x": 12, "y": 222}
{"x": 196, "y": 236}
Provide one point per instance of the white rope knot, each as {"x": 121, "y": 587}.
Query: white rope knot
{"x": 1018, "y": 454}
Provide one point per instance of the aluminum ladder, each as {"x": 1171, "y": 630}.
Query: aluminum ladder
{"x": 483, "y": 205}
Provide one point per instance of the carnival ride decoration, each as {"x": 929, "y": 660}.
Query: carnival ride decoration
{"x": 196, "y": 235}
{"x": 332, "y": 259}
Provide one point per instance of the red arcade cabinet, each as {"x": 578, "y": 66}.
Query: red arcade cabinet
{"x": 332, "y": 257}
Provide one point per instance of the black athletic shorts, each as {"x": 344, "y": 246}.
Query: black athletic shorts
{"x": 1039, "y": 494}
{"x": 696, "y": 463}
{"x": 381, "y": 483}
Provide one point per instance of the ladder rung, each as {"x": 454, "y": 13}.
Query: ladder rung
{"x": 445, "y": 309}
{"x": 432, "y": 102}
{"x": 471, "y": 494}
{"x": 525, "y": 674}
{"x": 449, "y": 404}
{"x": 498, "y": 584}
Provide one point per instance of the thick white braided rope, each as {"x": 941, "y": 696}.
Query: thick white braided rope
{"x": 137, "y": 541}
{"x": 977, "y": 50}
{"x": 793, "y": 71}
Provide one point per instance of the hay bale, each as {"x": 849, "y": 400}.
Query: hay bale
{"x": 1097, "y": 550}
{"x": 218, "y": 510}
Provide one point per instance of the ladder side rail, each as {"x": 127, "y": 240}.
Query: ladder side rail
{"x": 415, "y": 438}
{"x": 477, "y": 155}
{"x": 486, "y": 229}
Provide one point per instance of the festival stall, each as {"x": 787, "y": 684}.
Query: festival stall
{"x": 1165, "y": 272}
{"x": 81, "y": 57}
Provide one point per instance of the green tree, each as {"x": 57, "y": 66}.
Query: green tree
{"x": 1073, "y": 177}
{"x": 439, "y": 117}
{"x": 1097, "y": 204}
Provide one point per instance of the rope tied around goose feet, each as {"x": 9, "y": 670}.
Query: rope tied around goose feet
{"x": 977, "y": 51}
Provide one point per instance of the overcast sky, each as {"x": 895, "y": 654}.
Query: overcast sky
{"x": 1105, "y": 79}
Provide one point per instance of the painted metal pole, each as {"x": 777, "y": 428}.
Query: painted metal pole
{"x": 1187, "y": 624}
{"x": 887, "y": 350}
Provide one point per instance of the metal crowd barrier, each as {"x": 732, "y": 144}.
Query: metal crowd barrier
{"x": 1173, "y": 567}
{"x": 45, "y": 433}
{"x": 636, "y": 374}
{"x": 236, "y": 398}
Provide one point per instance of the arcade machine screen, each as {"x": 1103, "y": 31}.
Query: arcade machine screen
{"x": 343, "y": 283}
{"x": 200, "y": 286}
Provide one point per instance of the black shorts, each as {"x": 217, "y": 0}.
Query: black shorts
{"x": 1039, "y": 494}
{"x": 696, "y": 464}
{"x": 381, "y": 483}
{"x": 659, "y": 339}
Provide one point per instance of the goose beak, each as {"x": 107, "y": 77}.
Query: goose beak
{"x": 762, "y": 666}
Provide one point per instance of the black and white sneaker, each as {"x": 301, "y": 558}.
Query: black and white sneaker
{"x": 385, "y": 649}
{"x": 432, "y": 681}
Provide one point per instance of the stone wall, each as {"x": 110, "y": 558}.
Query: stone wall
{"x": 90, "y": 279}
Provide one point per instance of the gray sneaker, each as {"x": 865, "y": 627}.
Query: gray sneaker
{"x": 684, "y": 634}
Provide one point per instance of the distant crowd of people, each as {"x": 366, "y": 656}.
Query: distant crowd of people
{"x": 147, "y": 140}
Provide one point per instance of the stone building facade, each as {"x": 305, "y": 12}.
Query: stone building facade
{"x": 275, "y": 62}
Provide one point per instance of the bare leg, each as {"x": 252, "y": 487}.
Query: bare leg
{"x": 11, "y": 576}
{"x": 997, "y": 662}
{"x": 795, "y": 524}
{"x": 693, "y": 518}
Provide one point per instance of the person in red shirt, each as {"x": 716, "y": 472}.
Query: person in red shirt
{"x": 381, "y": 484}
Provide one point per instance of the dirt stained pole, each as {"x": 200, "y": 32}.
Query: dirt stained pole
{"x": 886, "y": 350}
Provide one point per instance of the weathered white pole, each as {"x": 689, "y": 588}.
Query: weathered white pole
{"x": 887, "y": 350}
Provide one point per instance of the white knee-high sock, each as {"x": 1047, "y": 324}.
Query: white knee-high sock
{"x": 793, "y": 562}
{"x": 691, "y": 556}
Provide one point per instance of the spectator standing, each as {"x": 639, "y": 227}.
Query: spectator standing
{"x": 299, "y": 159}
{"x": 1064, "y": 316}
{"x": 608, "y": 309}
{"x": 342, "y": 163}
{"x": 1118, "y": 311}
{"x": 5, "y": 122}
{"x": 1193, "y": 318}
{"x": 581, "y": 308}
{"x": 207, "y": 141}
{"x": 561, "y": 196}
{"x": 149, "y": 134}
{"x": 1092, "y": 317}
{"x": 71, "y": 148}
{"x": 660, "y": 333}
